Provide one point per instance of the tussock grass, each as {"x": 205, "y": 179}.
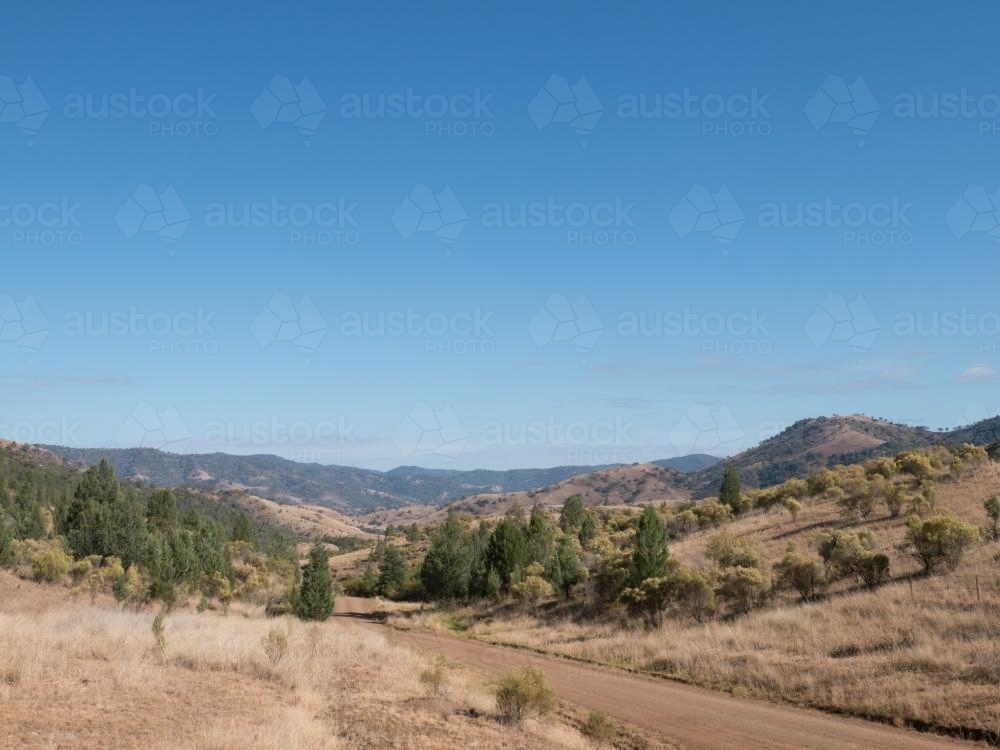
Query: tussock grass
{"x": 77, "y": 675}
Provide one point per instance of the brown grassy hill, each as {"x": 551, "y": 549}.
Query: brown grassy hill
{"x": 301, "y": 520}
{"x": 818, "y": 443}
{"x": 637, "y": 484}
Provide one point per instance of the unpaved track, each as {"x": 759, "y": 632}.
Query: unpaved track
{"x": 698, "y": 719}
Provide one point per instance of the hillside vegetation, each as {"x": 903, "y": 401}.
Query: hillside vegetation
{"x": 871, "y": 589}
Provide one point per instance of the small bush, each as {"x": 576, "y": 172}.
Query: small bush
{"x": 280, "y": 606}
{"x": 522, "y": 694}
{"x": 159, "y": 635}
{"x": 47, "y": 559}
{"x": 434, "y": 676}
{"x": 599, "y": 729}
{"x": 275, "y": 645}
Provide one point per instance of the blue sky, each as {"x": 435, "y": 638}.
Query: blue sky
{"x": 832, "y": 303}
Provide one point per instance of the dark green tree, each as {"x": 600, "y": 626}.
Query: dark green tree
{"x": 567, "y": 570}
{"x": 88, "y": 522}
{"x": 507, "y": 552}
{"x": 391, "y": 572}
{"x": 649, "y": 558}
{"x": 315, "y": 596}
{"x": 446, "y": 567}
{"x": 731, "y": 494}
{"x": 161, "y": 511}
{"x": 242, "y": 529}
{"x": 572, "y": 516}
{"x": 6, "y": 544}
{"x": 540, "y": 540}
{"x": 29, "y": 522}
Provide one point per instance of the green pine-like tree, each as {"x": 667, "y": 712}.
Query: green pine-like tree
{"x": 161, "y": 511}
{"x": 6, "y": 544}
{"x": 649, "y": 558}
{"x": 446, "y": 568}
{"x": 731, "y": 493}
{"x": 567, "y": 570}
{"x": 315, "y": 596}
{"x": 242, "y": 529}
{"x": 506, "y": 553}
{"x": 391, "y": 572}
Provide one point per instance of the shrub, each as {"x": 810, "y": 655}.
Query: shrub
{"x": 917, "y": 465}
{"x": 893, "y": 496}
{"x": 524, "y": 693}
{"x": 992, "y": 506}
{"x": 872, "y": 568}
{"x": 728, "y": 551}
{"x": 799, "y": 572}
{"x": 434, "y": 676}
{"x": 939, "y": 540}
{"x": 647, "y": 599}
{"x": 841, "y": 551}
{"x": 744, "y": 588}
{"x": 598, "y": 728}
{"x": 159, "y": 635}
{"x": 279, "y": 606}
{"x": 534, "y": 587}
{"x": 46, "y": 558}
{"x": 693, "y": 592}
{"x": 275, "y": 646}
{"x": 881, "y": 467}
{"x": 793, "y": 506}
{"x": 713, "y": 513}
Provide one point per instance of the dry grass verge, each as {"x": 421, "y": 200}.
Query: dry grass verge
{"x": 75, "y": 675}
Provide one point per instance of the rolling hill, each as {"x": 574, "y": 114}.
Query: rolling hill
{"x": 806, "y": 446}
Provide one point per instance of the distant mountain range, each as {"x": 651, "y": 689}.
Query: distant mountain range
{"x": 806, "y": 446}
{"x": 344, "y": 488}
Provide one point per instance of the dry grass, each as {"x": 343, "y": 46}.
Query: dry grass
{"x": 74, "y": 675}
{"x": 929, "y": 655}
{"x": 302, "y": 520}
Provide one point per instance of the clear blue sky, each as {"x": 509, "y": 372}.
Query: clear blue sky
{"x": 642, "y": 249}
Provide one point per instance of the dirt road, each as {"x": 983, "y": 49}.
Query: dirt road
{"x": 696, "y": 718}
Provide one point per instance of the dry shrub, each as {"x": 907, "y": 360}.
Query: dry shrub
{"x": 522, "y": 694}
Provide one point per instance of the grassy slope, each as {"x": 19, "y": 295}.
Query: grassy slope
{"x": 926, "y": 656}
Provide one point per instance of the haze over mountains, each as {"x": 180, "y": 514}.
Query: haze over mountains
{"x": 804, "y": 447}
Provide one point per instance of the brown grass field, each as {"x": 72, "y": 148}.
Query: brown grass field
{"x": 77, "y": 675}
